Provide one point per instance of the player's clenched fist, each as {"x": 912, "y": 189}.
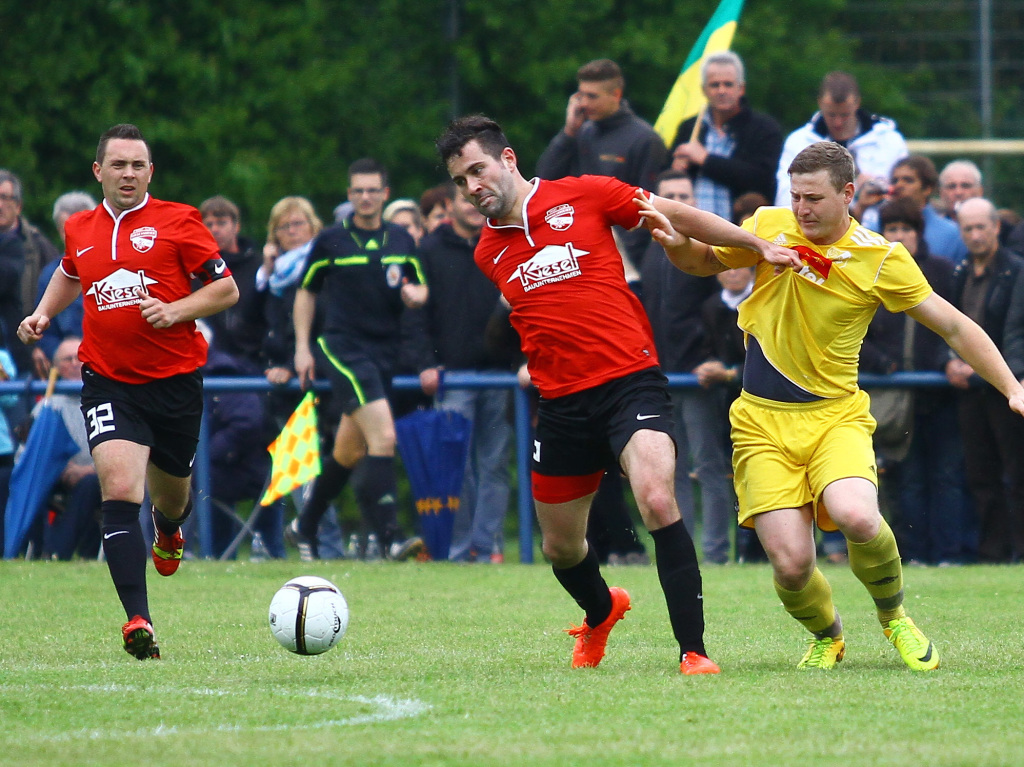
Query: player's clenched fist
{"x": 32, "y": 328}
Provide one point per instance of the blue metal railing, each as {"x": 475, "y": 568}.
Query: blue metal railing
{"x": 454, "y": 380}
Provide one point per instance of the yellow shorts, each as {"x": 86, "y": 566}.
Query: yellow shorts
{"x": 786, "y": 453}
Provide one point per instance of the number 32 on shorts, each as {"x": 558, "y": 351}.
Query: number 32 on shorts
{"x": 101, "y": 419}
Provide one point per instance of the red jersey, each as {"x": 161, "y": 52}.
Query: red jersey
{"x": 580, "y": 324}
{"x": 155, "y": 246}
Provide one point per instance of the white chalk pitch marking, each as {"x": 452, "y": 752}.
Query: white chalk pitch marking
{"x": 386, "y": 709}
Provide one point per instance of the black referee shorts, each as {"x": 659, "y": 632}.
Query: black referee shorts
{"x": 357, "y": 377}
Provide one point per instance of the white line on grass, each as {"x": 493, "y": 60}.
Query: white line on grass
{"x": 387, "y": 710}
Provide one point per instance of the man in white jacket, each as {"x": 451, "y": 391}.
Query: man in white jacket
{"x": 874, "y": 142}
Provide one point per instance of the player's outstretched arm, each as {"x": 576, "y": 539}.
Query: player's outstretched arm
{"x": 967, "y": 339}
{"x": 713, "y": 230}
{"x": 686, "y": 254}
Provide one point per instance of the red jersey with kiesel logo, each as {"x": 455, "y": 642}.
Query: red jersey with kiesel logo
{"x": 580, "y": 324}
{"x": 153, "y": 248}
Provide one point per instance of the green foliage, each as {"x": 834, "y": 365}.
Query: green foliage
{"x": 486, "y": 685}
{"x": 256, "y": 99}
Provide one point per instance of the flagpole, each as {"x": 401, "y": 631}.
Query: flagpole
{"x": 51, "y": 384}
{"x": 697, "y": 121}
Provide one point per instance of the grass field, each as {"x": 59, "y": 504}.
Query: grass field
{"x": 467, "y": 665}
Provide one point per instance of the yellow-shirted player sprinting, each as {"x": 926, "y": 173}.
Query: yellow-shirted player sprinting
{"x": 801, "y": 429}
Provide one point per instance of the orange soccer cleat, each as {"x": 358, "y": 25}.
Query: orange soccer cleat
{"x": 695, "y": 663}
{"x": 590, "y": 642}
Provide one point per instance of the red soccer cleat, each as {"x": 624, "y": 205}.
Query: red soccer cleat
{"x": 167, "y": 550}
{"x": 140, "y": 639}
{"x": 695, "y": 663}
{"x": 590, "y": 642}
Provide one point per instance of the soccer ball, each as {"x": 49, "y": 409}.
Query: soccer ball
{"x": 308, "y": 615}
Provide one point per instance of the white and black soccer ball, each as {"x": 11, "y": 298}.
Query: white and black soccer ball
{"x": 308, "y": 615}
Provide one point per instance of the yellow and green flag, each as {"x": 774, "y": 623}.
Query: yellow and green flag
{"x": 686, "y": 98}
{"x": 295, "y": 452}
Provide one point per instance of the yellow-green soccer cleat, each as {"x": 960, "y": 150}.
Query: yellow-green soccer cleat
{"x": 823, "y": 653}
{"x": 913, "y": 646}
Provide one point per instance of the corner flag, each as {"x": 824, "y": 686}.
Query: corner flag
{"x": 295, "y": 452}
{"x": 686, "y": 98}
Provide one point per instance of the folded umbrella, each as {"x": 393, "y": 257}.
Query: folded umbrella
{"x": 48, "y": 449}
{"x": 434, "y": 445}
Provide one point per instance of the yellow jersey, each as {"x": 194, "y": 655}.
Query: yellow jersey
{"x": 810, "y": 323}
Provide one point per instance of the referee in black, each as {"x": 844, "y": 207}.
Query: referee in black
{"x": 367, "y": 272}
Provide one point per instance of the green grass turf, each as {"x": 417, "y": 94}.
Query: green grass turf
{"x": 467, "y": 665}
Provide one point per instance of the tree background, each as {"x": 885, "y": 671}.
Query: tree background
{"x": 257, "y": 99}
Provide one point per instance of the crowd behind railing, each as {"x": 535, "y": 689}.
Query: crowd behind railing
{"x": 951, "y": 456}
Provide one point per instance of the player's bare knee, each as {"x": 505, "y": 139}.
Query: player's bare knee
{"x": 859, "y": 524}
{"x": 348, "y": 456}
{"x": 791, "y": 569}
{"x": 563, "y": 552}
{"x": 791, "y": 576}
{"x": 659, "y": 511}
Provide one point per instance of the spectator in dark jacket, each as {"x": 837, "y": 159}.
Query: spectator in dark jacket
{"x": 993, "y": 437}
{"x": 238, "y": 330}
{"x": 736, "y": 149}
{"x": 604, "y": 137}
{"x": 462, "y": 301}
{"x": 924, "y": 475}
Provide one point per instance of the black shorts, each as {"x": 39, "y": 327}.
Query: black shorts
{"x": 163, "y": 415}
{"x": 583, "y": 433}
{"x": 356, "y": 377}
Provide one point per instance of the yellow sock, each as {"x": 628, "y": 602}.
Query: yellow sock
{"x": 812, "y": 606}
{"x": 876, "y": 563}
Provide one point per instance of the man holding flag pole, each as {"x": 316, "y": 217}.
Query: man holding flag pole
{"x": 727, "y": 148}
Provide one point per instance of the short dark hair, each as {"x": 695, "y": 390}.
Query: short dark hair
{"x": 436, "y": 195}
{"x": 901, "y": 211}
{"x": 839, "y": 86}
{"x": 368, "y": 165}
{"x": 923, "y": 167}
{"x": 670, "y": 175}
{"x": 601, "y": 71}
{"x": 219, "y": 207}
{"x": 826, "y": 155}
{"x": 125, "y": 131}
{"x": 746, "y": 205}
{"x": 479, "y": 128}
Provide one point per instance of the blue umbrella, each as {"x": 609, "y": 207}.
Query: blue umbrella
{"x": 47, "y": 451}
{"x": 434, "y": 445}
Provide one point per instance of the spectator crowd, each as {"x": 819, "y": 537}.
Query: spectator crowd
{"x": 389, "y": 286}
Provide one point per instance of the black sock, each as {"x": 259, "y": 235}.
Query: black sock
{"x": 326, "y": 487}
{"x": 377, "y": 495}
{"x": 125, "y": 552}
{"x": 169, "y": 526}
{"x": 585, "y": 584}
{"x": 680, "y": 580}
